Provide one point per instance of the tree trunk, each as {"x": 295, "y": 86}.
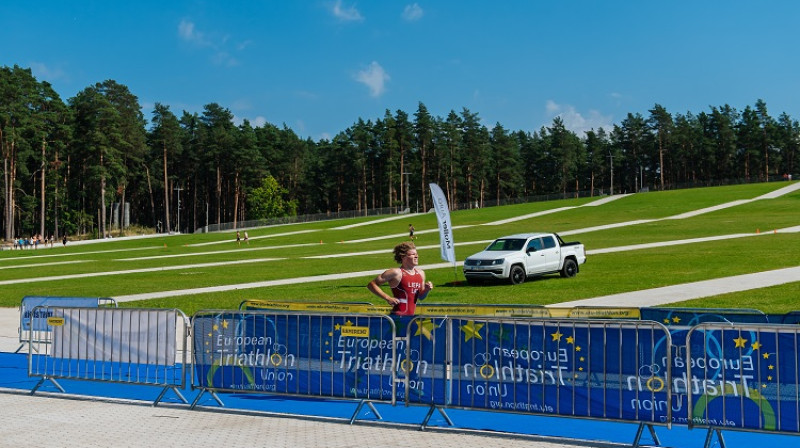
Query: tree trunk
{"x": 102, "y": 225}
{"x": 424, "y": 178}
{"x": 766, "y": 156}
{"x": 121, "y": 209}
{"x": 660, "y": 161}
{"x": 219, "y": 195}
{"x": 57, "y": 165}
{"x": 235, "y": 199}
{"x": 152, "y": 200}
{"x": 166, "y": 192}
{"x": 6, "y": 214}
{"x": 42, "y": 205}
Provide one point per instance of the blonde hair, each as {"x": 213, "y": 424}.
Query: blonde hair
{"x": 402, "y": 249}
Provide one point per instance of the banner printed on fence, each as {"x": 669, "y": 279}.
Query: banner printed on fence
{"x": 560, "y": 369}
{"x": 742, "y": 378}
{"x": 316, "y": 355}
{"x": 116, "y": 335}
{"x": 29, "y": 303}
{"x": 683, "y": 317}
{"x": 425, "y": 361}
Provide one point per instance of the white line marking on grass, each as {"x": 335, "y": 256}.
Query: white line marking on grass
{"x": 781, "y": 191}
{"x": 404, "y": 235}
{"x": 216, "y": 252}
{"x": 296, "y": 232}
{"x": 601, "y": 201}
{"x": 267, "y": 283}
{"x": 528, "y": 216}
{"x": 133, "y": 271}
{"x": 38, "y": 265}
{"x": 377, "y": 221}
{"x": 72, "y": 254}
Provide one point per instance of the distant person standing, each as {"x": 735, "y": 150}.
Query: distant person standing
{"x": 407, "y": 282}
{"x": 64, "y": 240}
{"x": 238, "y": 238}
{"x": 411, "y": 232}
{"x": 246, "y": 237}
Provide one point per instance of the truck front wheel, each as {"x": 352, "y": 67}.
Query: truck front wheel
{"x": 517, "y": 275}
{"x": 569, "y": 269}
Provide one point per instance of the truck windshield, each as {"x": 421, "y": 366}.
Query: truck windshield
{"x": 506, "y": 244}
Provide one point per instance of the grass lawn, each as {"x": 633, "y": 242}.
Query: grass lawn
{"x": 165, "y": 263}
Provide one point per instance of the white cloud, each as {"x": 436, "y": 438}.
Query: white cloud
{"x": 188, "y": 32}
{"x": 259, "y": 121}
{"x": 413, "y": 12}
{"x": 347, "y": 14}
{"x": 44, "y": 73}
{"x": 576, "y": 121}
{"x": 375, "y": 78}
{"x": 242, "y": 104}
{"x": 256, "y": 122}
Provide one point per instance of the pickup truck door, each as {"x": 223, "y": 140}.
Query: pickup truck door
{"x": 552, "y": 254}
{"x": 535, "y": 257}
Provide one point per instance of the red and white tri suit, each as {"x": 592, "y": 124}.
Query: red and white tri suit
{"x": 407, "y": 293}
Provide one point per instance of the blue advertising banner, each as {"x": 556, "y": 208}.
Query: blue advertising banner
{"x": 740, "y": 377}
{"x": 426, "y": 361}
{"x": 39, "y": 321}
{"x": 717, "y": 374}
{"x": 315, "y": 355}
{"x": 603, "y": 369}
{"x": 689, "y": 317}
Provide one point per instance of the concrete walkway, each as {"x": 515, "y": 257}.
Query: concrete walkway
{"x": 694, "y": 290}
{"x": 55, "y": 421}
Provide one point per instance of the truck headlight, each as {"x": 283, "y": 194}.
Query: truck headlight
{"x": 499, "y": 261}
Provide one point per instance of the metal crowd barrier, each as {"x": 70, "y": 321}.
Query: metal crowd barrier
{"x": 616, "y": 370}
{"x": 119, "y": 345}
{"x": 722, "y": 374}
{"x": 742, "y": 377}
{"x": 28, "y": 319}
{"x": 337, "y": 356}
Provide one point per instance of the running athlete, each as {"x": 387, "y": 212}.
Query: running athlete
{"x": 407, "y": 282}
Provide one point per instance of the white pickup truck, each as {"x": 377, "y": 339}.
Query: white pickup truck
{"x": 517, "y": 257}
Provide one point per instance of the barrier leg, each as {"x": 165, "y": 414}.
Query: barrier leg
{"x": 427, "y": 417}
{"x": 446, "y": 417}
{"x": 164, "y": 391}
{"x": 654, "y": 435}
{"x": 200, "y": 395}
{"x": 430, "y": 414}
{"x": 31, "y": 349}
{"x": 374, "y": 410}
{"x": 639, "y": 432}
{"x": 361, "y": 405}
{"x": 710, "y": 435}
{"x": 41, "y": 381}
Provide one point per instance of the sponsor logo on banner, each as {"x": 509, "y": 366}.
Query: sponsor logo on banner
{"x": 356, "y": 332}
{"x": 55, "y": 321}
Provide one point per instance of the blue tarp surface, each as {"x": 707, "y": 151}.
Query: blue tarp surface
{"x": 14, "y": 375}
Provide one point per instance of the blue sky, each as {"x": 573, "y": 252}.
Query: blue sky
{"x": 318, "y": 66}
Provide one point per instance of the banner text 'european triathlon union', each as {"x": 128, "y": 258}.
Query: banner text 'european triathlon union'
{"x": 314, "y": 355}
